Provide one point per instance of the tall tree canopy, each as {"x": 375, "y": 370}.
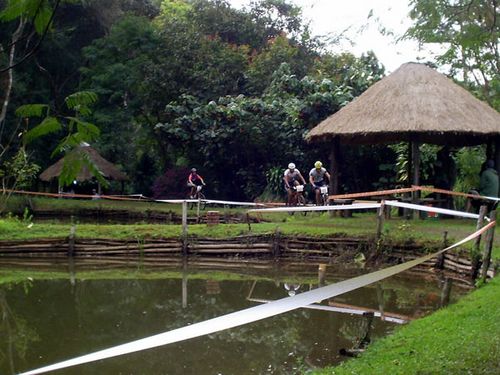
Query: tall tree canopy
{"x": 186, "y": 82}
{"x": 469, "y": 31}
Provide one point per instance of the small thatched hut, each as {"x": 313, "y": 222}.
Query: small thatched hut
{"x": 108, "y": 169}
{"x": 415, "y": 104}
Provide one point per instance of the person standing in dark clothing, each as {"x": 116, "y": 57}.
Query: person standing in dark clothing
{"x": 488, "y": 185}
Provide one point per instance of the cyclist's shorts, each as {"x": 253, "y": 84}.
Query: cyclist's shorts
{"x": 319, "y": 184}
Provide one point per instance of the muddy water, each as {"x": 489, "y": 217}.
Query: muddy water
{"x": 48, "y": 315}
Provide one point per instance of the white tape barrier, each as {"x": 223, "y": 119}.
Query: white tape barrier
{"x": 354, "y": 206}
{"x": 443, "y": 211}
{"x": 210, "y": 201}
{"x": 231, "y": 203}
{"x": 175, "y": 201}
{"x": 250, "y": 315}
{"x": 491, "y": 198}
{"x": 364, "y": 206}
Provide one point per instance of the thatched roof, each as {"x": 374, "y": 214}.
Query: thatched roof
{"x": 108, "y": 170}
{"x": 415, "y": 102}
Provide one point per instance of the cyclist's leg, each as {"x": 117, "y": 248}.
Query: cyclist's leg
{"x": 192, "y": 189}
{"x": 317, "y": 194}
{"x": 288, "y": 195}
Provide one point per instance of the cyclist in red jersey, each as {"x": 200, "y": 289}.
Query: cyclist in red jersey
{"x": 194, "y": 180}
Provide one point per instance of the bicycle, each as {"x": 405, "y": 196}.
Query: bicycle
{"x": 298, "y": 198}
{"x": 323, "y": 195}
{"x": 197, "y": 196}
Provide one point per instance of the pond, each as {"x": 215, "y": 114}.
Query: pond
{"x": 49, "y": 314}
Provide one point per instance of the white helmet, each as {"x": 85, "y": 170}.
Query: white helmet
{"x": 291, "y": 166}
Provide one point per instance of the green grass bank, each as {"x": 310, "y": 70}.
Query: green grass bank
{"x": 463, "y": 338}
{"x": 429, "y": 232}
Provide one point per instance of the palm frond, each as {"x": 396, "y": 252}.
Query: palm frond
{"x": 87, "y": 131}
{"x": 80, "y": 99}
{"x": 32, "y": 110}
{"x": 47, "y": 126}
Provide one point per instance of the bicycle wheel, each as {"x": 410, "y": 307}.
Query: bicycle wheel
{"x": 292, "y": 203}
{"x": 203, "y": 203}
{"x": 190, "y": 205}
{"x": 324, "y": 199}
{"x": 301, "y": 202}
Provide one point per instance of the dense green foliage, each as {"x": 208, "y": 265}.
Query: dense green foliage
{"x": 184, "y": 83}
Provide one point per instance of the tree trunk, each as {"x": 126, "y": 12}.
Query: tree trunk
{"x": 8, "y": 76}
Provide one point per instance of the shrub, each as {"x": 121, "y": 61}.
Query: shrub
{"x": 172, "y": 184}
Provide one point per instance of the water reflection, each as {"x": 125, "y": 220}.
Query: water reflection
{"x": 75, "y": 309}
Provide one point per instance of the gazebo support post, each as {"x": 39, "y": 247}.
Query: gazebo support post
{"x": 334, "y": 169}
{"x": 490, "y": 149}
{"x": 497, "y": 154}
{"x": 415, "y": 176}
{"x": 334, "y": 166}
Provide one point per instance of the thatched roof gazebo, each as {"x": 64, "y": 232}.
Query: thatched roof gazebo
{"x": 415, "y": 104}
{"x": 108, "y": 170}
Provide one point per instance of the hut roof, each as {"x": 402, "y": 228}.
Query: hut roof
{"x": 108, "y": 169}
{"x": 414, "y": 102}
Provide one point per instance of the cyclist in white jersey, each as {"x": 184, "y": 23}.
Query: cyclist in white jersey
{"x": 291, "y": 177}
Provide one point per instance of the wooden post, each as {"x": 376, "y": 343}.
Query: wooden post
{"x": 334, "y": 166}
{"x": 321, "y": 274}
{"x": 497, "y": 154}
{"x": 446, "y": 291}
{"x": 489, "y": 150}
{"x": 476, "y": 253}
{"x": 276, "y": 243}
{"x": 184, "y": 283}
{"x": 198, "y": 210}
{"x": 248, "y": 222}
{"x": 380, "y": 219}
{"x": 415, "y": 156}
{"x": 366, "y": 338}
{"x": 380, "y": 298}
{"x": 184, "y": 228}
{"x": 487, "y": 248}
{"x": 72, "y": 274}
{"x": 480, "y": 221}
{"x": 71, "y": 238}
{"x": 440, "y": 258}
{"x": 184, "y": 218}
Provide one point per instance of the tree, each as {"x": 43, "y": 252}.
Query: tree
{"x": 29, "y": 22}
{"x": 76, "y": 131}
{"x": 469, "y": 32}
{"x": 250, "y": 136}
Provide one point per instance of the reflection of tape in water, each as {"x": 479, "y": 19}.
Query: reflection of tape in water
{"x": 252, "y": 314}
{"x": 346, "y": 310}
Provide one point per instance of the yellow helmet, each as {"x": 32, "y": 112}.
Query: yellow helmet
{"x": 318, "y": 165}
